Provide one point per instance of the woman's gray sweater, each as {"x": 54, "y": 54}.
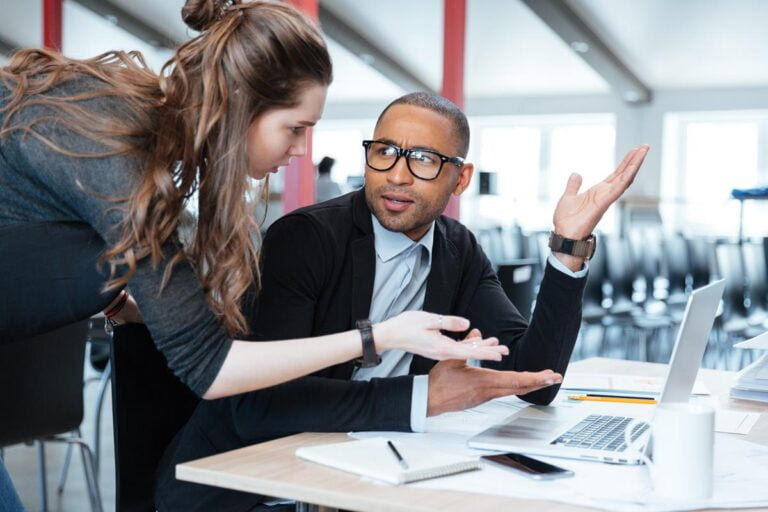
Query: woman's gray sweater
{"x": 39, "y": 184}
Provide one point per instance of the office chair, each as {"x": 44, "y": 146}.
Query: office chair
{"x": 518, "y": 279}
{"x": 676, "y": 266}
{"x": 513, "y": 242}
{"x": 149, "y": 405}
{"x": 593, "y": 311}
{"x": 42, "y": 379}
{"x": 700, "y": 258}
{"x": 734, "y": 322}
{"x": 98, "y": 343}
{"x": 756, "y": 272}
{"x": 629, "y": 316}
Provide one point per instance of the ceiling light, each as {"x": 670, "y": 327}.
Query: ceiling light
{"x": 631, "y": 96}
{"x": 580, "y": 46}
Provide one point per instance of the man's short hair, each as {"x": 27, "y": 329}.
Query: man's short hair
{"x": 442, "y": 106}
{"x": 325, "y": 165}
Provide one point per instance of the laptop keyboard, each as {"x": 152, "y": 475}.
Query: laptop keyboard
{"x": 600, "y": 432}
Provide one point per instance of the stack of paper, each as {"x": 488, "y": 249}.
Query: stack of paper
{"x": 752, "y": 382}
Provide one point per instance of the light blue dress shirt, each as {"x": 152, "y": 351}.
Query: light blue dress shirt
{"x": 400, "y": 284}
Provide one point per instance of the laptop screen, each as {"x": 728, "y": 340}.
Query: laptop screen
{"x": 691, "y": 341}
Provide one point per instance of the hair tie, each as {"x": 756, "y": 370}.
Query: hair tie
{"x": 224, "y": 6}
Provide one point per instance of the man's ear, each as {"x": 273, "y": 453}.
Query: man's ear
{"x": 465, "y": 177}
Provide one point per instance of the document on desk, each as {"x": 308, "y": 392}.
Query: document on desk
{"x": 735, "y": 422}
{"x": 741, "y": 468}
{"x": 625, "y": 384}
{"x": 452, "y": 429}
{"x": 741, "y": 473}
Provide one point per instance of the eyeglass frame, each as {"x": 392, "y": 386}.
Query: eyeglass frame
{"x": 455, "y": 160}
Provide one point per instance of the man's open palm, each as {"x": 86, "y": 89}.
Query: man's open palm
{"x": 577, "y": 214}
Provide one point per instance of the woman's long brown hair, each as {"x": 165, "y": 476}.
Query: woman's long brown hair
{"x": 187, "y": 128}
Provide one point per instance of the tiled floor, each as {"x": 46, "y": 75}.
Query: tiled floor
{"x": 21, "y": 462}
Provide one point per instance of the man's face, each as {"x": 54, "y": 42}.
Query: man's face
{"x": 400, "y": 201}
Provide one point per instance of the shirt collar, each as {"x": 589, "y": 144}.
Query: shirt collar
{"x": 391, "y": 243}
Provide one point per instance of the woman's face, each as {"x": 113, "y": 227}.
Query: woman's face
{"x": 279, "y": 134}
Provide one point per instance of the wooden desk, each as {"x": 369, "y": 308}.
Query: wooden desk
{"x": 272, "y": 468}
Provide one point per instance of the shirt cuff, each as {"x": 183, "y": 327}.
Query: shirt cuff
{"x": 419, "y": 397}
{"x": 559, "y": 265}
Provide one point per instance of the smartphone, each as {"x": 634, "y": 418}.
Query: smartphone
{"x": 528, "y": 466}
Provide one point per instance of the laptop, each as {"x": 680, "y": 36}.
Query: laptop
{"x": 595, "y": 431}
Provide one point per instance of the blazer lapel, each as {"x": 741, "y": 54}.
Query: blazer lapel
{"x": 363, "y": 273}
{"x": 442, "y": 284}
{"x": 363, "y": 259}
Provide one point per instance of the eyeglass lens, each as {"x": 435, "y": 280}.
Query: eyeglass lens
{"x": 382, "y": 157}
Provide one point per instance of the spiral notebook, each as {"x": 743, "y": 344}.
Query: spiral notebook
{"x": 373, "y": 458}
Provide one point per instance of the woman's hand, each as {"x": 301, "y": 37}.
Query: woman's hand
{"x": 418, "y": 332}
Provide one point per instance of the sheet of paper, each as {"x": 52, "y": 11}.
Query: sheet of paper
{"x": 452, "y": 430}
{"x": 610, "y": 382}
{"x": 741, "y": 468}
{"x": 760, "y": 341}
{"x": 735, "y": 422}
{"x": 741, "y": 471}
{"x": 477, "y": 419}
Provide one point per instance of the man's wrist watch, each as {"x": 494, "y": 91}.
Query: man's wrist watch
{"x": 370, "y": 357}
{"x": 579, "y": 248}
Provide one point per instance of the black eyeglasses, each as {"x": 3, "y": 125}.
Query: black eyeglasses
{"x": 422, "y": 163}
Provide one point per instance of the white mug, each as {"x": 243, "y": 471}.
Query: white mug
{"x": 683, "y": 437}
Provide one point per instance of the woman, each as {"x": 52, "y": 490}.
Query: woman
{"x": 99, "y": 157}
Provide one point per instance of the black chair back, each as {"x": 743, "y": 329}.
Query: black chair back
{"x": 150, "y": 405}
{"x": 757, "y": 277}
{"x": 730, "y": 266}
{"x": 42, "y": 382}
{"x": 677, "y": 264}
{"x": 593, "y": 291}
{"x": 492, "y": 244}
{"x": 700, "y": 259}
{"x": 645, "y": 247}
{"x": 513, "y": 243}
{"x": 620, "y": 268}
{"x": 518, "y": 281}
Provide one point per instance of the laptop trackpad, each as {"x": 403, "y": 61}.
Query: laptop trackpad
{"x": 526, "y": 428}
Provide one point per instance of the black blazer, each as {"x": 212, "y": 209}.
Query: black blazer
{"x": 317, "y": 278}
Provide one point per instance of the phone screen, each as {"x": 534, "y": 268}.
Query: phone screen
{"x": 531, "y": 467}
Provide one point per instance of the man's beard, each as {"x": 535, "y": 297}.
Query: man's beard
{"x": 421, "y": 212}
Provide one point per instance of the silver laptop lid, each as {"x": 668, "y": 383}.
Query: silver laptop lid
{"x": 691, "y": 342}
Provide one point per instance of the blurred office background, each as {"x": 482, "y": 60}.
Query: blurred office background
{"x": 550, "y": 87}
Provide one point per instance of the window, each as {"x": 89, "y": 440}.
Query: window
{"x": 707, "y": 154}
{"x": 342, "y": 140}
{"x": 533, "y": 158}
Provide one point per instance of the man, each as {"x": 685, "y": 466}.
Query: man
{"x": 386, "y": 249}
{"x": 325, "y": 187}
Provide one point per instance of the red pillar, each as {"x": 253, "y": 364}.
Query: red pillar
{"x": 299, "y": 176}
{"x": 454, "y": 30}
{"x": 52, "y": 15}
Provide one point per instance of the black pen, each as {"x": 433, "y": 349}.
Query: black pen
{"x": 400, "y": 458}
